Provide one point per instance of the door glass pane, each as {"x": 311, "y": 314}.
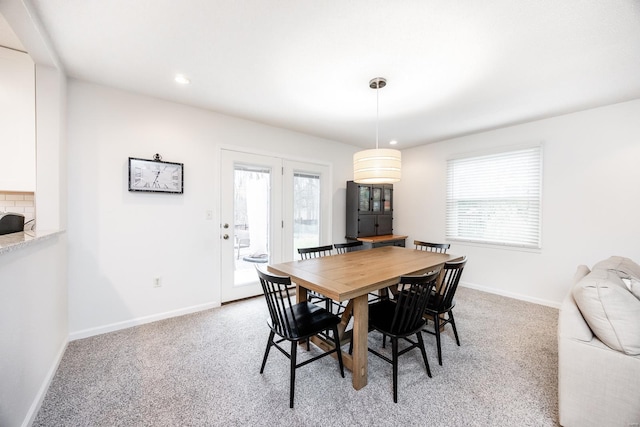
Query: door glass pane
{"x": 306, "y": 211}
{"x": 251, "y": 220}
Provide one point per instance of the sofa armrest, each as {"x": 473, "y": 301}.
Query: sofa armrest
{"x": 597, "y": 386}
{"x": 571, "y": 324}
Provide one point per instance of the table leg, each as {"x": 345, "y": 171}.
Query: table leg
{"x": 345, "y": 318}
{"x": 301, "y": 293}
{"x": 358, "y": 362}
{"x": 360, "y": 332}
{"x": 301, "y": 296}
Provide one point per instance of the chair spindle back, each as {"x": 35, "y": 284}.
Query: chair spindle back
{"x": 315, "y": 252}
{"x": 342, "y": 248}
{"x": 441, "y": 248}
{"x": 276, "y": 292}
{"x": 412, "y": 299}
{"x": 451, "y": 273}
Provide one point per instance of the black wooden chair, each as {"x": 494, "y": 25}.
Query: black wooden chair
{"x": 442, "y": 303}
{"x": 342, "y": 248}
{"x": 317, "y": 252}
{"x": 441, "y": 248}
{"x": 294, "y": 323}
{"x": 402, "y": 317}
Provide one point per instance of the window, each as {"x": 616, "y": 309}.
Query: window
{"x": 496, "y": 198}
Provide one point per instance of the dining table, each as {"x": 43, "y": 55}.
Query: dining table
{"x": 349, "y": 278}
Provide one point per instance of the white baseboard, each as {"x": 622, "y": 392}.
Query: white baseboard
{"x": 37, "y": 402}
{"x": 513, "y": 295}
{"x": 86, "y": 333}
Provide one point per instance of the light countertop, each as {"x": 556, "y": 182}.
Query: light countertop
{"x": 13, "y": 241}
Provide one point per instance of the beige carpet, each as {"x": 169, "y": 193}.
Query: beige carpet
{"x": 203, "y": 370}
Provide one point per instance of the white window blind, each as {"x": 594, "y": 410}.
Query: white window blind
{"x": 496, "y": 198}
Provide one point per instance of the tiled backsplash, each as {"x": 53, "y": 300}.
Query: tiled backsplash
{"x": 23, "y": 203}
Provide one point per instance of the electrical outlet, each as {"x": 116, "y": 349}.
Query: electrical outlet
{"x": 156, "y": 282}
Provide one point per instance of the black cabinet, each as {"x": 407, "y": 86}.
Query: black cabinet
{"x": 369, "y": 209}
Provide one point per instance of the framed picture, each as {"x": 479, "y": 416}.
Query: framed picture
{"x": 155, "y": 176}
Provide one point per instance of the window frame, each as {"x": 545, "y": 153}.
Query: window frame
{"x": 528, "y": 238}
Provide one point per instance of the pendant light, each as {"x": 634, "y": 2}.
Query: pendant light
{"x": 379, "y": 165}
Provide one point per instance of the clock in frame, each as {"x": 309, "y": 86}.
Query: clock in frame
{"x": 155, "y": 176}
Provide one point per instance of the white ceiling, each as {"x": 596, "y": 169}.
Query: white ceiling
{"x": 453, "y": 67}
{"x": 7, "y": 37}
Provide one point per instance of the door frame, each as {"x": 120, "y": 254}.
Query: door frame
{"x": 283, "y": 249}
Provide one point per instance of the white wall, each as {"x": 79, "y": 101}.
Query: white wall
{"x": 33, "y": 319}
{"x": 119, "y": 241}
{"x": 590, "y": 200}
{"x": 51, "y": 149}
{"x": 33, "y": 279}
{"x": 116, "y": 237}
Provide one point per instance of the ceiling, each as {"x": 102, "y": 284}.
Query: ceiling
{"x": 453, "y": 67}
{"x": 7, "y": 37}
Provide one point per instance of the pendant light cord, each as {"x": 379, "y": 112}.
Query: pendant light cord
{"x": 377, "y": 83}
{"x": 382, "y": 165}
{"x": 377, "y": 111}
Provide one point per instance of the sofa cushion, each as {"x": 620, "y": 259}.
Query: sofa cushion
{"x": 633, "y": 285}
{"x": 610, "y": 309}
{"x": 626, "y": 269}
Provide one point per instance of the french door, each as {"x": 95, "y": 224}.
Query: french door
{"x": 270, "y": 206}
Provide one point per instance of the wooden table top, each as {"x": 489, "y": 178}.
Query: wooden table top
{"x": 346, "y": 276}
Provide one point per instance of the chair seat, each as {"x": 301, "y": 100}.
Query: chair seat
{"x": 294, "y": 323}
{"x": 434, "y": 307}
{"x": 305, "y": 320}
{"x": 381, "y": 316}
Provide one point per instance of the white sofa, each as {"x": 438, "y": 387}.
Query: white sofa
{"x": 599, "y": 385}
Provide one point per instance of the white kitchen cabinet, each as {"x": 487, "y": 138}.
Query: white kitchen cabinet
{"x": 17, "y": 122}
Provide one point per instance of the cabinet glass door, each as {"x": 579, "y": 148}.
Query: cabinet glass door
{"x": 376, "y": 199}
{"x": 364, "y": 198}
{"x": 387, "y": 200}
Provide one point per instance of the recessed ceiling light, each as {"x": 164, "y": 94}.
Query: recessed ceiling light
{"x": 182, "y": 79}
{"x": 393, "y": 142}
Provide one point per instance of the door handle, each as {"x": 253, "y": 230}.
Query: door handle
{"x": 225, "y": 237}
